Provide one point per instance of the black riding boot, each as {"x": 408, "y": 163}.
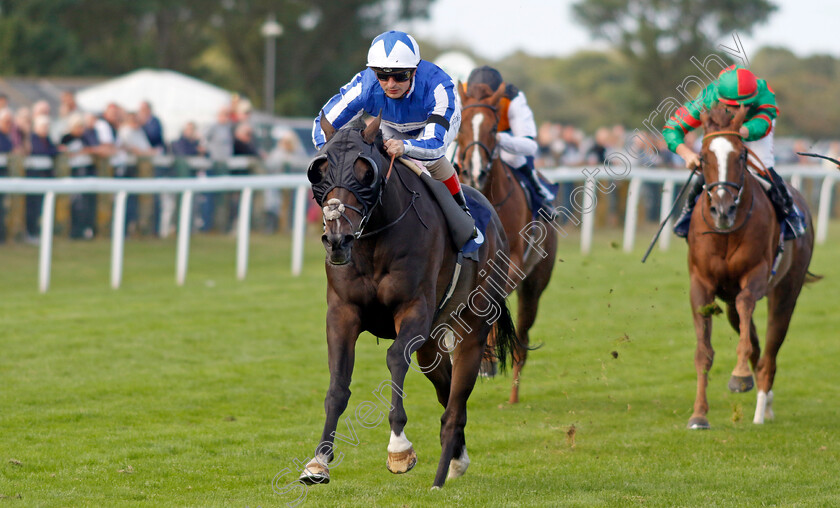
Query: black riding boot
{"x": 793, "y": 222}
{"x": 684, "y": 220}
{"x": 462, "y": 202}
{"x": 546, "y": 199}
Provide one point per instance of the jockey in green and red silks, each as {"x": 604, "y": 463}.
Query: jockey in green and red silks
{"x": 735, "y": 86}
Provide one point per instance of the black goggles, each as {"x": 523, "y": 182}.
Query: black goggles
{"x": 399, "y": 76}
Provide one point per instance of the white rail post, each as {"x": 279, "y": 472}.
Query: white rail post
{"x": 118, "y": 239}
{"x": 796, "y": 181}
{"x": 588, "y": 218}
{"x": 631, "y": 213}
{"x": 183, "y": 249}
{"x": 664, "y": 209}
{"x": 47, "y": 220}
{"x": 298, "y": 228}
{"x": 243, "y": 227}
{"x": 825, "y": 209}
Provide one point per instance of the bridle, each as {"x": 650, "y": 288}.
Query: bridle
{"x": 491, "y": 154}
{"x": 730, "y": 187}
{"x": 334, "y": 208}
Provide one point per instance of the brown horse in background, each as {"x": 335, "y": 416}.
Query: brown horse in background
{"x": 389, "y": 266}
{"x": 533, "y": 244}
{"x": 733, "y": 243}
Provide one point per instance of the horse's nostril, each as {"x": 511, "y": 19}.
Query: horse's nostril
{"x": 732, "y": 209}
{"x": 713, "y": 209}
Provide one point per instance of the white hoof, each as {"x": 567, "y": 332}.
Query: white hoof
{"x": 457, "y": 467}
{"x": 315, "y": 473}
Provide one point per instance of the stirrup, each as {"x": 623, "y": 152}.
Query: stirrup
{"x": 794, "y": 226}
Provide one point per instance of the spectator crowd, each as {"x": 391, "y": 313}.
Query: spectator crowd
{"x": 118, "y": 142}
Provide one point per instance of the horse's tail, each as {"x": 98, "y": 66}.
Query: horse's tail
{"x": 812, "y": 277}
{"x": 506, "y": 340}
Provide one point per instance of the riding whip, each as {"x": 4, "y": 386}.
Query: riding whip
{"x": 673, "y": 207}
{"x": 820, "y": 157}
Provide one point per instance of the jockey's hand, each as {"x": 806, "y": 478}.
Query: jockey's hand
{"x": 692, "y": 160}
{"x": 394, "y": 147}
{"x": 744, "y": 132}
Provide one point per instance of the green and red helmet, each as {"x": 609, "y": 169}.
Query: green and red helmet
{"x": 737, "y": 86}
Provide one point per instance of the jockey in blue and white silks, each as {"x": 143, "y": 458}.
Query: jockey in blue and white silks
{"x": 421, "y": 109}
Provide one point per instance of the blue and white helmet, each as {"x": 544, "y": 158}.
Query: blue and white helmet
{"x": 394, "y": 50}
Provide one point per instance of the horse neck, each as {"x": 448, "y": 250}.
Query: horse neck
{"x": 497, "y": 180}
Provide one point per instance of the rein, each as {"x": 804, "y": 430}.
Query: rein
{"x": 759, "y": 168}
{"x": 414, "y": 195}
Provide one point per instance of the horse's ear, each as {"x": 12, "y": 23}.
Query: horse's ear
{"x": 497, "y": 95}
{"x": 462, "y": 92}
{"x": 738, "y": 121}
{"x": 326, "y": 126}
{"x": 371, "y": 131}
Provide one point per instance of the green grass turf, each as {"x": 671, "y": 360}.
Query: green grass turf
{"x": 200, "y": 395}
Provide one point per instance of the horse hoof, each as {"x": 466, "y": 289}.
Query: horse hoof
{"x": 699, "y": 423}
{"x": 401, "y": 462}
{"x": 435, "y": 487}
{"x": 457, "y": 467}
{"x": 315, "y": 474}
{"x": 740, "y": 384}
{"x": 488, "y": 369}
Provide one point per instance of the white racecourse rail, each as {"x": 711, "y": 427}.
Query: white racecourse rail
{"x": 187, "y": 187}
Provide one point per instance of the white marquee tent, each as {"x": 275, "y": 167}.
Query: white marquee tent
{"x": 175, "y": 98}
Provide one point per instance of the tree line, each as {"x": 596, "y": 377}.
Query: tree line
{"x": 325, "y": 42}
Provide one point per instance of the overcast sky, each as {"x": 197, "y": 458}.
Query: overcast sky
{"x": 496, "y": 28}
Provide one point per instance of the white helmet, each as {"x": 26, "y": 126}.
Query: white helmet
{"x": 394, "y": 50}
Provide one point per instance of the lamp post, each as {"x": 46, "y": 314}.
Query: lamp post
{"x": 270, "y": 30}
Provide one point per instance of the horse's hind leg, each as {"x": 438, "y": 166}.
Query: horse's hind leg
{"x": 529, "y": 300}
{"x": 780, "y": 304}
{"x": 453, "y": 456}
{"x": 743, "y": 384}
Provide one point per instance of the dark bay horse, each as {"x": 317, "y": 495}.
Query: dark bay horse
{"x": 389, "y": 265}
{"x": 533, "y": 244}
{"x": 733, "y": 243}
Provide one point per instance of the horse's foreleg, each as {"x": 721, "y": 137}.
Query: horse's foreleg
{"x": 742, "y": 379}
{"x": 704, "y": 355}
{"x": 343, "y": 328}
{"x": 413, "y": 327}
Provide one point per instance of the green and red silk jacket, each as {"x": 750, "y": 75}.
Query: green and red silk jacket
{"x": 760, "y": 114}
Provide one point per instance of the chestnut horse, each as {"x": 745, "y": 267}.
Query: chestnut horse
{"x": 533, "y": 245}
{"x": 733, "y": 246}
{"x": 389, "y": 267}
